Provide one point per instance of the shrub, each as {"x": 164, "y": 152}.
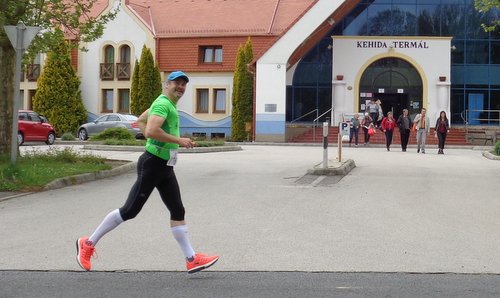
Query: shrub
{"x": 67, "y": 136}
{"x": 497, "y": 148}
{"x": 118, "y": 133}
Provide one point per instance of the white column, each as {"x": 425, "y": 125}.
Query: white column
{"x": 338, "y": 101}
{"x": 443, "y": 99}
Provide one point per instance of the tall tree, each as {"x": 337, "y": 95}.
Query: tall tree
{"x": 242, "y": 112}
{"x": 58, "y": 95}
{"x": 134, "y": 88}
{"x": 149, "y": 83}
{"x": 74, "y": 17}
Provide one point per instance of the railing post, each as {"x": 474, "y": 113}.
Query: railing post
{"x": 325, "y": 145}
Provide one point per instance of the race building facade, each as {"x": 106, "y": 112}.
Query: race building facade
{"x": 407, "y": 53}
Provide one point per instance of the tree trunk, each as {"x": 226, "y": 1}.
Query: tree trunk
{"x": 7, "y": 69}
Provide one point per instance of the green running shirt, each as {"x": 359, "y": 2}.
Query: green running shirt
{"x": 163, "y": 107}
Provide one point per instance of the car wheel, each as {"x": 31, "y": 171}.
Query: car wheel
{"x": 51, "y": 138}
{"x": 82, "y": 134}
{"x": 20, "y": 138}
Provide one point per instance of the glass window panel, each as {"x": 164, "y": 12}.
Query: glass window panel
{"x": 457, "y": 106}
{"x": 436, "y": 2}
{"x": 218, "y": 55}
{"x": 476, "y": 52}
{"x": 208, "y": 55}
{"x": 457, "y": 74}
{"x": 125, "y": 54}
{"x": 476, "y": 75}
{"x": 474, "y": 19}
{"x": 107, "y": 100}
{"x": 305, "y": 102}
{"x": 495, "y": 52}
{"x": 356, "y": 24}
{"x": 379, "y": 19}
{"x": 457, "y": 52}
{"x": 404, "y": 19}
{"x": 109, "y": 54}
{"x": 428, "y": 20}
{"x": 453, "y": 20}
{"x": 124, "y": 100}
{"x": 494, "y": 76}
{"x": 202, "y": 101}
{"x": 220, "y": 100}
{"x": 495, "y": 100}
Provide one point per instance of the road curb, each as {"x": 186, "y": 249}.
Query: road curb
{"x": 78, "y": 179}
{"x": 490, "y": 155}
{"x": 181, "y": 150}
{"x": 334, "y": 168}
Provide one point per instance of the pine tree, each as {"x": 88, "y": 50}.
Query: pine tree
{"x": 149, "y": 82}
{"x": 134, "y": 89}
{"x": 58, "y": 96}
{"x": 242, "y": 112}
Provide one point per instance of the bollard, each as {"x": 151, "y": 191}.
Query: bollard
{"x": 325, "y": 145}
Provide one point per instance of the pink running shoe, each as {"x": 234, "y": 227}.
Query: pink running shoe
{"x": 84, "y": 250}
{"x": 200, "y": 262}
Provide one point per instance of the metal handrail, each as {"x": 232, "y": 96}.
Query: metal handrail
{"x": 306, "y": 114}
{"x": 467, "y": 116}
{"x": 317, "y": 118}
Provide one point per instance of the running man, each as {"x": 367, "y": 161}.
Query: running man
{"x": 155, "y": 169}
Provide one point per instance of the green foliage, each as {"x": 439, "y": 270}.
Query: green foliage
{"x": 58, "y": 96}
{"x": 124, "y": 142}
{"x": 486, "y": 6}
{"x": 118, "y": 133}
{"x": 209, "y": 143}
{"x": 68, "y": 136}
{"x": 242, "y": 111}
{"x": 35, "y": 169}
{"x": 497, "y": 148}
{"x": 134, "y": 89}
{"x": 148, "y": 85}
{"x": 78, "y": 22}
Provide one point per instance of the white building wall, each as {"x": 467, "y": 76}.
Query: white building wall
{"x": 124, "y": 29}
{"x": 353, "y": 54}
{"x": 270, "y": 89}
{"x": 210, "y": 81}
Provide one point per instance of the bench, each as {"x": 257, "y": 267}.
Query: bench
{"x": 480, "y": 135}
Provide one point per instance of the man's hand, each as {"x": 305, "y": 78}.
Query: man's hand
{"x": 186, "y": 142}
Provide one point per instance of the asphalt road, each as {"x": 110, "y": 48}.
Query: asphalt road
{"x": 244, "y": 284}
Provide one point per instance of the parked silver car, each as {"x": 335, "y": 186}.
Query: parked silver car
{"x": 110, "y": 121}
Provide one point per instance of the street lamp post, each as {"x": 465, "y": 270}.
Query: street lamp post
{"x": 20, "y": 37}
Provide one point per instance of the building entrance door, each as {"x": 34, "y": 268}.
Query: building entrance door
{"x": 398, "y": 84}
{"x": 394, "y": 102}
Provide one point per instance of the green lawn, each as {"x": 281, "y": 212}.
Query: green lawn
{"x": 34, "y": 170}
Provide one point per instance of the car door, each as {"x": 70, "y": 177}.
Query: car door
{"x": 98, "y": 125}
{"x": 113, "y": 121}
{"x": 38, "y": 132}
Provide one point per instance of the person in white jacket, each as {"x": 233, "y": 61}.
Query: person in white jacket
{"x": 423, "y": 127}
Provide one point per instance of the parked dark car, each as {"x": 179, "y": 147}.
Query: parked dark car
{"x": 111, "y": 120}
{"x": 33, "y": 127}
{"x": 91, "y": 117}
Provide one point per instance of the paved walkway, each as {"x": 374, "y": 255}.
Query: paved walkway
{"x": 395, "y": 212}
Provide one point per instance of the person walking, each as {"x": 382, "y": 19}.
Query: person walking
{"x": 388, "y": 125}
{"x": 155, "y": 169}
{"x": 368, "y": 128}
{"x": 373, "y": 109}
{"x": 404, "y": 124}
{"x": 441, "y": 130}
{"x": 423, "y": 128}
{"x": 354, "y": 132}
